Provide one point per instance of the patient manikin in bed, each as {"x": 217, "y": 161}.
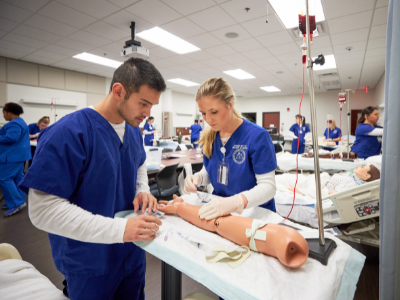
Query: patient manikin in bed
{"x": 329, "y": 185}
{"x": 279, "y": 241}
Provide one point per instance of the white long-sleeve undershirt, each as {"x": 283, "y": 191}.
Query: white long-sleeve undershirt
{"x": 146, "y": 132}
{"x": 261, "y": 193}
{"x": 376, "y": 132}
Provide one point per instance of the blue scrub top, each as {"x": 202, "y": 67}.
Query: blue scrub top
{"x": 195, "y": 128}
{"x": 365, "y": 145}
{"x": 148, "y": 137}
{"x": 249, "y": 151}
{"x": 81, "y": 158}
{"x": 14, "y": 142}
{"x": 333, "y": 134}
{"x": 303, "y": 131}
{"x": 33, "y": 129}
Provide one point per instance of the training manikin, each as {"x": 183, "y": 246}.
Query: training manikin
{"x": 282, "y": 242}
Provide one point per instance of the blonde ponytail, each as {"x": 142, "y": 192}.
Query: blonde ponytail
{"x": 219, "y": 88}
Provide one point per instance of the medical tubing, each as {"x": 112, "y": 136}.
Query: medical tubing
{"x": 297, "y": 154}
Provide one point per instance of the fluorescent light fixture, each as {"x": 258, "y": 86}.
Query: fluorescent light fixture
{"x": 330, "y": 63}
{"x": 167, "y": 40}
{"x": 239, "y": 74}
{"x": 270, "y": 89}
{"x": 288, "y": 11}
{"x": 183, "y": 82}
{"x": 98, "y": 60}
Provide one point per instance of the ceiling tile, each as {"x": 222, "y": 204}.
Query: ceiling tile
{"x": 259, "y": 26}
{"x": 266, "y": 61}
{"x": 187, "y": 7}
{"x": 246, "y": 45}
{"x": 237, "y": 57}
{"x": 74, "y": 45}
{"x": 61, "y": 50}
{"x": 244, "y": 65}
{"x": 79, "y": 62}
{"x": 95, "y": 8}
{"x": 319, "y": 42}
{"x": 11, "y": 53}
{"x": 199, "y": 55}
{"x": 378, "y": 31}
{"x": 183, "y": 28}
{"x": 380, "y": 3}
{"x": 67, "y": 15}
{"x": 284, "y": 49}
{"x": 7, "y": 25}
{"x": 39, "y": 59}
{"x": 357, "y": 46}
{"x": 212, "y": 18}
{"x": 209, "y": 71}
{"x": 107, "y": 31}
{"x": 196, "y": 65}
{"x": 153, "y": 11}
{"x": 214, "y": 62}
{"x": 66, "y": 65}
{"x": 224, "y": 67}
{"x": 375, "y": 52}
{"x": 340, "y": 8}
{"x": 2, "y": 32}
{"x": 122, "y": 3}
{"x": 179, "y": 68}
{"x": 205, "y": 40}
{"x": 29, "y": 4}
{"x": 89, "y": 38}
{"x": 50, "y": 25}
{"x": 180, "y": 59}
{"x": 376, "y": 43}
{"x": 352, "y": 22}
{"x": 13, "y": 12}
{"x": 23, "y": 40}
{"x": 293, "y": 58}
{"x": 123, "y": 19}
{"x": 221, "y": 50}
{"x": 16, "y": 47}
{"x": 161, "y": 52}
{"x": 350, "y": 36}
{"x": 108, "y": 54}
{"x": 349, "y": 55}
{"x": 35, "y": 33}
{"x": 50, "y": 55}
{"x": 236, "y": 8}
{"x": 259, "y": 53}
{"x": 380, "y": 16}
{"x": 243, "y": 34}
{"x": 276, "y": 38}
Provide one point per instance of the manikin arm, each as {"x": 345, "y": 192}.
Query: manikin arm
{"x": 282, "y": 242}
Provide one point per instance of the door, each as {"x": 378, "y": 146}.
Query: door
{"x": 272, "y": 118}
{"x": 354, "y": 116}
{"x": 252, "y": 117}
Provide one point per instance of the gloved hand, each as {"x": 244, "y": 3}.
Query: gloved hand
{"x": 191, "y": 183}
{"x": 221, "y": 207}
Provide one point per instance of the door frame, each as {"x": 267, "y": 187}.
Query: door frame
{"x": 255, "y": 120}
{"x": 279, "y": 122}
{"x": 353, "y": 112}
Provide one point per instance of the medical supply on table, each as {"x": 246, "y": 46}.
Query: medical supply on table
{"x": 203, "y": 197}
{"x": 153, "y": 158}
{"x": 157, "y": 214}
{"x": 233, "y": 258}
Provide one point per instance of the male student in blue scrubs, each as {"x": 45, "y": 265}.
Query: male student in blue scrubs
{"x": 88, "y": 166}
{"x": 14, "y": 152}
{"x": 195, "y": 130}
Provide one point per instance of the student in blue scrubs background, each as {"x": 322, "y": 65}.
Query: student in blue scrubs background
{"x": 34, "y": 131}
{"x": 88, "y": 166}
{"x": 332, "y": 132}
{"x": 14, "y": 152}
{"x": 303, "y": 129}
{"x": 195, "y": 130}
{"x": 368, "y": 134}
{"x": 239, "y": 156}
{"x": 148, "y": 131}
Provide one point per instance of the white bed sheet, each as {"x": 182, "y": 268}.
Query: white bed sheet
{"x": 260, "y": 276}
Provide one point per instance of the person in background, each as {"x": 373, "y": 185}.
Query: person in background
{"x": 368, "y": 135}
{"x": 148, "y": 131}
{"x": 299, "y": 132}
{"x": 332, "y": 132}
{"x": 36, "y": 128}
{"x": 195, "y": 133}
{"x": 14, "y": 151}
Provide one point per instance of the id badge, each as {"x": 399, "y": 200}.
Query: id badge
{"x": 223, "y": 173}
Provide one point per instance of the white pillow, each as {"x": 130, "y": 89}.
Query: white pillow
{"x": 375, "y": 160}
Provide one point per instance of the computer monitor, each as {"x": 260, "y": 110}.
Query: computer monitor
{"x": 272, "y": 130}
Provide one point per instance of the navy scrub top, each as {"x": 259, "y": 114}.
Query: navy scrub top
{"x": 195, "y": 128}
{"x": 33, "y": 129}
{"x": 366, "y": 145}
{"x": 249, "y": 151}
{"x": 81, "y": 158}
{"x": 148, "y": 137}
{"x": 14, "y": 142}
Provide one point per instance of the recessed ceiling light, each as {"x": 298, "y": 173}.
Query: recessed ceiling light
{"x": 183, "y": 82}
{"x": 239, "y": 74}
{"x": 270, "y": 89}
{"x": 98, "y": 60}
{"x": 288, "y": 11}
{"x": 330, "y": 63}
{"x": 231, "y": 35}
{"x": 167, "y": 40}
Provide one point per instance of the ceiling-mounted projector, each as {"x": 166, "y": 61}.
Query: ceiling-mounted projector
{"x": 134, "y": 48}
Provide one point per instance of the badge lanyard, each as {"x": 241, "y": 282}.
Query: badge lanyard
{"x": 223, "y": 169}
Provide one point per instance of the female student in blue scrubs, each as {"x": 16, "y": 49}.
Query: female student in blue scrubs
{"x": 36, "y": 128}
{"x": 239, "y": 156}
{"x": 148, "y": 131}
{"x": 303, "y": 130}
{"x": 368, "y": 135}
{"x": 88, "y": 166}
{"x": 332, "y": 132}
{"x": 195, "y": 130}
{"x": 14, "y": 152}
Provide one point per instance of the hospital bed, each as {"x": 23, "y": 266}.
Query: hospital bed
{"x": 260, "y": 276}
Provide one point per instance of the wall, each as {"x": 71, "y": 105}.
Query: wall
{"x": 380, "y": 96}
{"x": 184, "y": 108}
{"x": 326, "y": 103}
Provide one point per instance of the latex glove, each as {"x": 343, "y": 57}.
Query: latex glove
{"x": 221, "y": 207}
{"x": 191, "y": 183}
{"x": 37, "y": 134}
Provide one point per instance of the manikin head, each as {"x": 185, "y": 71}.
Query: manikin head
{"x": 43, "y": 123}
{"x": 369, "y": 115}
{"x": 136, "y": 86}
{"x": 367, "y": 173}
{"x": 12, "y": 111}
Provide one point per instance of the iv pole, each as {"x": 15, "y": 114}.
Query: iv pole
{"x": 348, "y": 122}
